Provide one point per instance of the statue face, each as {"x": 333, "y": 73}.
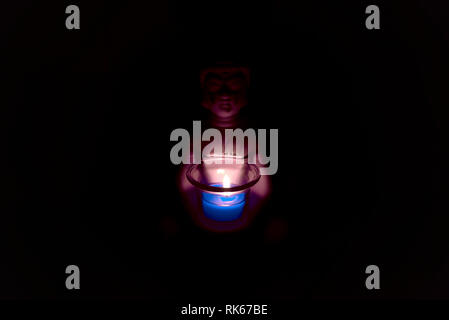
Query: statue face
{"x": 225, "y": 90}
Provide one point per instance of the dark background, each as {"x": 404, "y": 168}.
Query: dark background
{"x": 363, "y": 175}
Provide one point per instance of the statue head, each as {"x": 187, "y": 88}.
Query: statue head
{"x": 225, "y": 90}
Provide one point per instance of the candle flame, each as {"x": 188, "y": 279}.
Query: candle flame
{"x": 226, "y": 181}
{"x": 226, "y": 184}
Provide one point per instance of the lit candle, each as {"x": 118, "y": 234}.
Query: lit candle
{"x": 223, "y": 206}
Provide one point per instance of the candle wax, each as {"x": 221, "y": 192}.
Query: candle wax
{"x": 221, "y": 207}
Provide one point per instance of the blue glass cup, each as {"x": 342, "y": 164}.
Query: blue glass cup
{"x": 223, "y": 184}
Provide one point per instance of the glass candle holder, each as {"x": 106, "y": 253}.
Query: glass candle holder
{"x": 223, "y": 184}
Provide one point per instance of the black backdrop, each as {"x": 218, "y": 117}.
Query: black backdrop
{"x": 363, "y": 157}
